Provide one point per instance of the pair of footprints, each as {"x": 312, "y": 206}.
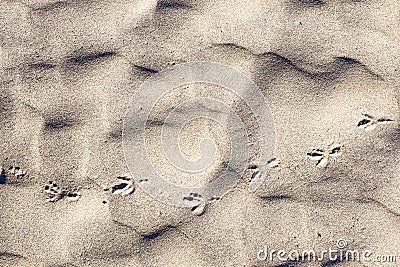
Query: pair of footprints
{"x": 323, "y": 156}
{"x": 124, "y": 186}
{"x": 368, "y": 123}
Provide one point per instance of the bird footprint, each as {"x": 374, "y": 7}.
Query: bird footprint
{"x": 369, "y": 122}
{"x": 17, "y": 172}
{"x": 323, "y": 156}
{"x": 55, "y": 194}
{"x": 274, "y": 164}
{"x": 124, "y": 186}
{"x": 201, "y": 204}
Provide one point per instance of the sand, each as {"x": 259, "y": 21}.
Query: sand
{"x": 68, "y": 70}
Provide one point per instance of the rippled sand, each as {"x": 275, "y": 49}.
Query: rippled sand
{"x": 68, "y": 69}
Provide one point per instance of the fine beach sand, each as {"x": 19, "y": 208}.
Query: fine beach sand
{"x": 68, "y": 70}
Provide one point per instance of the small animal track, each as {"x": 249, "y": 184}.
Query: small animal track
{"x": 323, "y": 157}
{"x": 194, "y": 197}
{"x": 11, "y": 172}
{"x": 17, "y": 172}
{"x": 55, "y": 194}
{"x": 52, "y": 191}
{"x": 201, "y": 204}
{"x": 369, "y": 122}
{"x": 274, "y": 163}
{"x": 123, "y": 187}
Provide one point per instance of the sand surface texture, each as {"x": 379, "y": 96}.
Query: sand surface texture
{"x": 68, "y": 69}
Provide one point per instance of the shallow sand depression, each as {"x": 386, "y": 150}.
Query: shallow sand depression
{"x": 327, "y": 69}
